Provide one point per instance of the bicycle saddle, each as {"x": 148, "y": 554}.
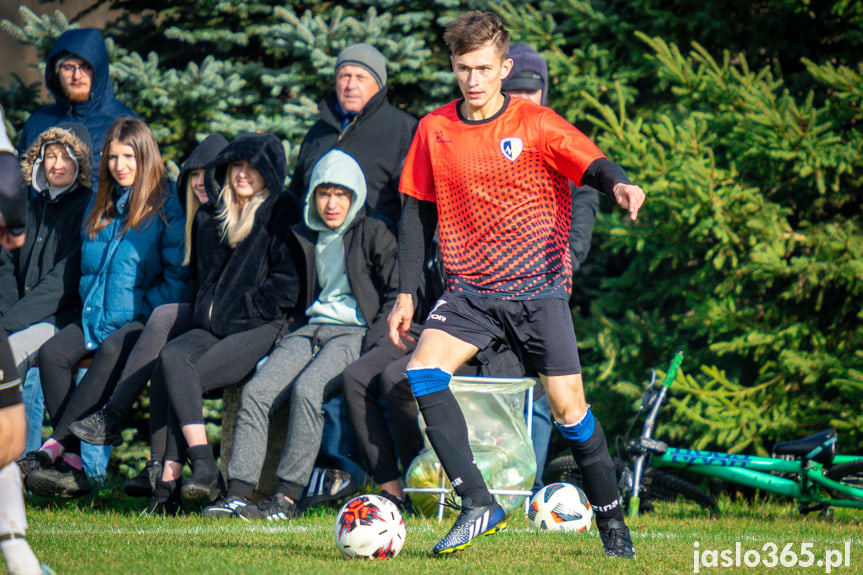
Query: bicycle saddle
{"x": 820, "y": 447}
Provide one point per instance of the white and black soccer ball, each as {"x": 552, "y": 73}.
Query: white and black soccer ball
{"x": 371, "y": 527}
{"x": 560, "y": 507}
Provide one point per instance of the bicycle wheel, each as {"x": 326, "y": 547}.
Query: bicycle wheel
{"x": 848, "y": 473}
{"x": 656, "y": 485}
{"x": 664, "y": 486}
{"x": 562, "y": 469}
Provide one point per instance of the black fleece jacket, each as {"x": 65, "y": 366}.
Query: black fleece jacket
{"x": 370, "y": 262}
{"x": 378, "y": 139}
{"x": 39, "y": 282}
{"x": 256, "y": 282}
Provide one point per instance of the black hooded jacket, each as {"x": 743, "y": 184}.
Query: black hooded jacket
{"x": 378, "y": 138}
{"x": 202, "y": 158}
{"x": 97, "y": 112}
{"x": 238, "y": 289}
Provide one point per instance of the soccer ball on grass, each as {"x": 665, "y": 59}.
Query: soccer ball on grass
{"x": 370, "y": 526}
{"x": 560, "y": 507}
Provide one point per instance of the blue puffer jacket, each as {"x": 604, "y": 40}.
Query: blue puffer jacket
{"x": 97, "y": 113}
{"x": 123, "y": 278}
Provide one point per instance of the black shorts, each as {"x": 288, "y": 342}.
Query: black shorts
{"x": 10, "y": 383}
{"x": 540, "y": 331}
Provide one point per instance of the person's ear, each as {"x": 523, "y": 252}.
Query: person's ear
{"x": 505, "y": 68}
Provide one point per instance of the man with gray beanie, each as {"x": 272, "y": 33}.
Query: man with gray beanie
{"x": 357, "y": 119}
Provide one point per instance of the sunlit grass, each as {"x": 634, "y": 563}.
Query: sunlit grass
{"x": 105, "y": 534}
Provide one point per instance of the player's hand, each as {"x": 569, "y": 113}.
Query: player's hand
{"x": 7, "y": 240}
{"x": 400, "y": 319}
{"x": 629, "y": 197}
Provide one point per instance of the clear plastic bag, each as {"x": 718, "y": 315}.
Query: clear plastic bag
{"x": 494, "y": 411}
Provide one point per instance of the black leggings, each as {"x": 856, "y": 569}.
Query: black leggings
{"x": 58, "y": 357}
{"x": 196, "y": 364}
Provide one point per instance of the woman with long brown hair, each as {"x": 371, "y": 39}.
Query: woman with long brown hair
{"x": 131, "y": 262}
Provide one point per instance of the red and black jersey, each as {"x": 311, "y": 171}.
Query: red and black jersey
{"x": 503, "y": 198}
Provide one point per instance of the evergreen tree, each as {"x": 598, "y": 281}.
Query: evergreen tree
{"x": 740, "y": 120}
{"x": 203, "y": 67}
{"x": 748, "y": 252}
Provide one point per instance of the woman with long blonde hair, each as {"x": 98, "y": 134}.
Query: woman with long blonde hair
{"x": 246, "y": 287}
{"x": 131, "y": 262}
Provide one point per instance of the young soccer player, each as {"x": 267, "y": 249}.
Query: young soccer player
{"x": 491, "y": 173}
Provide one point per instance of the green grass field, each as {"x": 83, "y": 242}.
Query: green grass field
{"x": 105, "y": 535}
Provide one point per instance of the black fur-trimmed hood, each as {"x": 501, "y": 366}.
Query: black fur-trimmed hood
{"x": 263, "y": 151}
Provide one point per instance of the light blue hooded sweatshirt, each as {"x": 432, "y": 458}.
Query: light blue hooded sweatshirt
{"x": 336, "y": 303}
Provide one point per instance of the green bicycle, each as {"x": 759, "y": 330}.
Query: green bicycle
{"x": 808, "y": 470}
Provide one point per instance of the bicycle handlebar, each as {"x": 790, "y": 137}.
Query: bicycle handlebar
{"x": 672, "y": 369}
{"x": 647, "y": 434}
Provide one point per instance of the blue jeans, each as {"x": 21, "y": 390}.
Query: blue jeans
{"x": 34, "y": 406}
{"x": 339, "y": 447}
{"x": 94, "y": 457}
{"x": 540, "y": 436}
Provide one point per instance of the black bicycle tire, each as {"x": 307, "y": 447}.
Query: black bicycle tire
{"x": 679, "y": 486}
{"x": 850, "y": 473}
{"x": 563, "y": 468}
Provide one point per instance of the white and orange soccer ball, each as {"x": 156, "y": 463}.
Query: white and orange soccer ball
{"x": 370, "y": 527}
{"x": 560, "y": 507}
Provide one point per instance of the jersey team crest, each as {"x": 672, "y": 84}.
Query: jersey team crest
{"x": 511, "y": 148}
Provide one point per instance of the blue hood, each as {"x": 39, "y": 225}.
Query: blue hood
{"x": 89, "y": 45}
{"x": 97, "y": 113}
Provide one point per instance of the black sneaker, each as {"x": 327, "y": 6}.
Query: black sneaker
{"x": 43, "y": 457}
{"x": 616, "y": 539}
{"x": 28, "y": 463}
{"x": 327, "y": 485}
{"x": 58, "y": 480}
{"x": 225, "y": 507}
{"x": 165, "y": 501}
{"x": 405, "y": 504}
{"x": 143, "y": 484}
{"x": 196, "y": 488}
{"x": 470, "y": 524}
{"x": 277, "y": 507}
{"x": 100, "y": 428}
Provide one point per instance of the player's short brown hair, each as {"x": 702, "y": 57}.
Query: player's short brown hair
{"x": 473, "y": 30}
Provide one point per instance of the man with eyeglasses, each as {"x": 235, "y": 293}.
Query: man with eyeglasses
{"x": 76, "y": 74}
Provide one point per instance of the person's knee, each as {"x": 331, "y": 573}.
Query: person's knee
{"x": 52, "y": 353}
{"x": 354, "y": 381}
{"x": 172, "y": 356}
{"x": 13, "y": 433}
{"x": 111, "y": 346}
{"x": 308, "y": 392}
{"x": 164, "y": 314}
{"x": 424, "y": 381}
{"x": 566, "y": 398}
